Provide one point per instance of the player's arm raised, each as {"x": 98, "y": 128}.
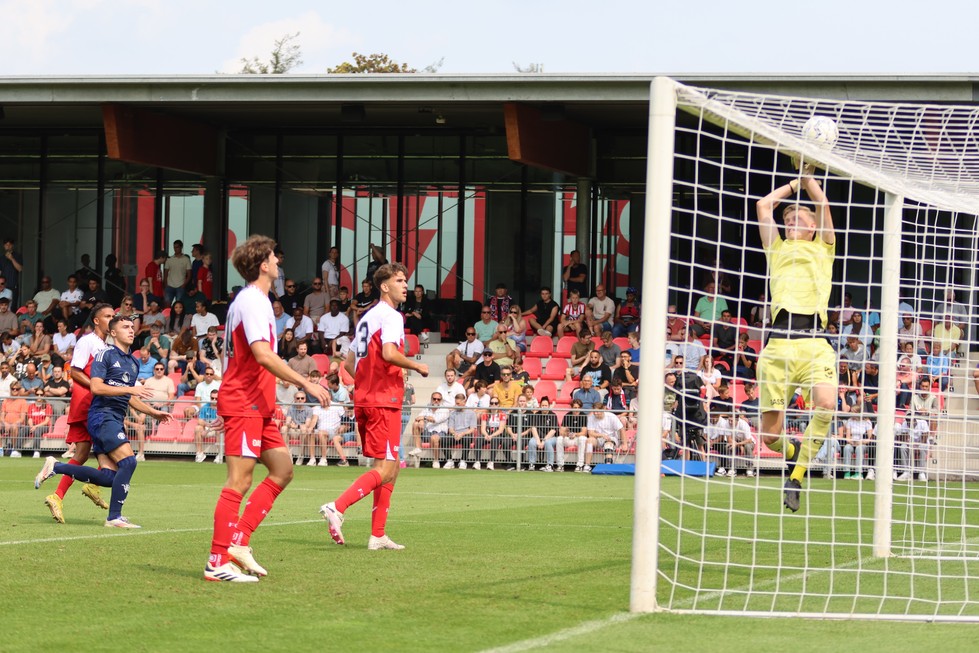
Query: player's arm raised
{"x": 824, "y": 218}
{"x": 262, "y": 351}
{"x": 765, "y": 210}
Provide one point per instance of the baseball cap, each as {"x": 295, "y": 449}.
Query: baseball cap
{"x": 631, "y": 290}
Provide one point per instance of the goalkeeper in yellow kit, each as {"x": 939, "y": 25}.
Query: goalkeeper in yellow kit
{"x": 800, "y": 270}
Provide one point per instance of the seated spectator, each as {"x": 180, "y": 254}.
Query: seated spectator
{"x": 41, "y": 342}
{"x": 857, "y": 327}
{"x": 572, "y": 433}
{"x": 212, "y": 348}
{"x": 145, "y": 296}
{"x": 488, "y": 371}
{"x": 450, "y": 388}
{"x": 183, "y": 350}
{"x": 833, "y": 336}
{"x": 492, "y": 431}
{"x": 760, "y": 315}
{"x": 146, "y": 364}
{"x": 291, "y": 299}
{"x": 725, "y": 341}
{"x": 300, "y": 423}
{"x": 723, "y": 403}
{"x": 159, "y": 344}
{"x": 22, "y": 360}
{"x": 30, "y": 314}
{"x": 627, "y": 315}
{"x": 745, "y": 359}
{"x": 281, "y": 318}
{"x": 855, "y": 352}
{"x": 70, "y": 302}
{"x": 288, "y": 346}
{"x": 461, "y": 432}
{"x": 520, "y": 375}
{"x": 63, "y": 343}
{"x": 301, "y": 325}
{"x": 58, "y": 389}
{"x": 31, "y": 383}
{"x": 924, "y": 405}
{"x": 939, "y": 366}
{"x": 506, "y": 390}
{"x": 8, "y": 320}
{"x": 710, "y": 375}
{"x": 486, "y": 327}
{"x": 500, "y": 303}
{"x": 527, "y": 392}
{"x": 431, "y": 427}
{"x": 847, "y": 310}
{"x": 676, "y": 327}
{"x": 545, "y": 314}
{"x": 609, "y": 351}
{"x": 334, "y": 330}
{"x": 13, "y": 421}
{"x": 616, "y": 399}
{"x": 302, "y": 363}
{"x": 693, "y": 351}
{"x": 708, "y": 310}
{"x": 417, "y": 311}
{"x": 179, "y": 320}
{"x": 587, "y": 394}
{"x": 203, "y": 319}
{"x": 909, "y": 332}
{"x": 573, "y": 316}
{"x": 466, "y": 355}
{"x": 504, "y": 349}
{"x": 948, "y": 335}
{"x": 579, "y": 353}
{"x": 479, "y": 398}
{"x": 627, "y": 374}
{"x": 603, "y": 434}
{"x": 207, "y": 423}
{"x": 749, "y": 405}
{"x": 516, "y": 327}
{"x": 599, "y": 372}
{"x": 363, "y": 301}
{"x": 40, "y": 419}
{"x": 601, "y": 312}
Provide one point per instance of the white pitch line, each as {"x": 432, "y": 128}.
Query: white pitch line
{"x": 585, "y": 628}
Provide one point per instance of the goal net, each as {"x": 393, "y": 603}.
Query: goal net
{"x": 888, "y": 522}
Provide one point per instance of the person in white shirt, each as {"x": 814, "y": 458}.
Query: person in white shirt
{"x": 64, "y": 341}
{"x": 480, "y": 398}
{"x": 450, "y": 388}
{"x": 859, "y": 434}
{"x": 71, "y": 299}
{"x": 301, "y": 325}
{"x": 334, "y": 328}
{"x": 202, "y": 320}
{"x": 331, "y": 272}
{"x": 430, "y": 426}
{"x": 603, "y": 431}
{"x": 601, "y": 311}
{"x": 465, "y": 356}
{"x": 718, "y": 438}
{"x": 742, "y": 445}
{"x": 202, "y": 393}
{"x": 330, "y": 430}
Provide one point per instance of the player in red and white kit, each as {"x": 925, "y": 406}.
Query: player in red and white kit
{"x": 375, "y": 361}
{"x": 246, "y": 403}
{"x": 81, "y": 398}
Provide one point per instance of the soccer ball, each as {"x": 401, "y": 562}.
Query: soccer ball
{"x": 821, "y": 131}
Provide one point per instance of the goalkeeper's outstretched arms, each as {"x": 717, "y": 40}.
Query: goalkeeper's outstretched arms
{"x": 820, "y": 223}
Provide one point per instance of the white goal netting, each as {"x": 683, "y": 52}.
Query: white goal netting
{"x": 888, "y": 525}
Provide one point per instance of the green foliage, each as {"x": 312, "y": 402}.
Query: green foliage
{"x": 372, "y": 63}
{"x": 285, "y": 56}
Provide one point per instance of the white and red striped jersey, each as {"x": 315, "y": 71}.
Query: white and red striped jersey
{"x": 87, "y": 347}
{"x": 247, "y": 389}
{"x": 378, "y": 383}
{"x": 574, "y": 311}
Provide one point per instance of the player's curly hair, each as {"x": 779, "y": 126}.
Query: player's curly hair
{"x": 387, "y": 271}
{"x": 249, "y": 255}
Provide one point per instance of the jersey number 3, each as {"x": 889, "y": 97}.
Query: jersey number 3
{"x": 362, "y": 339}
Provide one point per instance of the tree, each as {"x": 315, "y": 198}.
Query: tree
{"x": 285, "y": 56}
{"x": 372, "y": 63}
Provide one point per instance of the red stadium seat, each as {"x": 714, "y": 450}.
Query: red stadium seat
{"x": 564, "y": 395}
{"x": 555, "y": 370}
{"x": 322, "y": 363}
{"x": 345, "y": 378}
{"x": 532, "y": 367}
{"x": 188, "y": 433}
{"x": 412, "y": 346}
{"x": 59, "y": 430}
{"x": 545, "y": 389}
{"x": 563, "y": 349}
{"x": 540, "y": 347}
{"x": 623, "y": 343}
{"x": 170, "y": 432}
{"x": 925, "y": 326}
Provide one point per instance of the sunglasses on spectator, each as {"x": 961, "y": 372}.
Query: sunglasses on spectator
{"x": 470, "y": 333}
{"x": 502, "y": 331}
{"x": 481, "y": 312}
{"x": 504, "y": 373}
{"x": 436, "y": 398}
{"x": 317, "y": 284}
{"x": 290, "y": 285}
{"x": 514, "y": 312}
{"x": 494, "y": 403}
{"x": 157, "y": 369}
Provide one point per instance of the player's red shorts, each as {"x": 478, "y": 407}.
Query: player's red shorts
{"x": 380, "y": 431}
{"x": 78, "y": 432}
{"x": 250, "y": 436}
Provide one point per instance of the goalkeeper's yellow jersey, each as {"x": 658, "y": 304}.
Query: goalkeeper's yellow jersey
{"x": 800, "y": 276}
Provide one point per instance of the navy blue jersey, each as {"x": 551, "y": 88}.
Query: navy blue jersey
{"x": 116, "y": 368}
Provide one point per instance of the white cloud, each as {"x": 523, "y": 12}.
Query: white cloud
{"x": 29, "y": 29}
{"x": 316, "y": 38}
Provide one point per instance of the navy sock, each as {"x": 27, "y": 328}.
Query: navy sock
{"x": 86, "y": 474}
{"x": 120, "y": 486}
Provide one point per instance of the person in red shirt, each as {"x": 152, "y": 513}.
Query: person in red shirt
{"x": 205, "y": 277}
{"x": 154, "y": 272}
{"x": 375, "y": 360}
{"x": 246, "y": 404}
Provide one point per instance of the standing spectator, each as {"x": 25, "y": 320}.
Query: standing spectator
{"x": 601, "y": 312}
{"x": 518, "y": 430}
{"x": 114, "y": 281}
{"x": 544, "y": 314}
{"x": 177, "y": 269}
{"x": 858, "y": 434}
{"x": 492, "y": 428}
{"x": 331, "y": 272}
{"x": 573, "y": 316}
{"x": 205, "y": 278}
{"x": 547, "y": 433}
{"x": 575, "y": 274}
{"x": 153, "y": 272}
{"x": 627, "y": 315}
{"x": 203, "y": 319}
{"x": 500, "y": 303}
{"x": 377, "y": 260}
{"x": 11, "y": 266}
{"x": 316, "y": 302}
{"x": 279, "y": 285}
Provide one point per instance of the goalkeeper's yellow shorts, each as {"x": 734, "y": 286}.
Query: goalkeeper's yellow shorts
{"x": 785, "y": 365}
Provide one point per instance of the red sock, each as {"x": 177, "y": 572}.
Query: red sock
{"x": 382, "y": 503}
{"x": 259, "y": 503}
{"x": 66, "y": 481}
{"x": 359, "y": 489}
{"x": 225, "y": 519}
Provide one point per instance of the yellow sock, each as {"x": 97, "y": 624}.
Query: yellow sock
{"x": 812, "y": 441}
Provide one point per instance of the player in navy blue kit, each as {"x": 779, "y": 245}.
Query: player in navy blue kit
{"x": 114, "y": 389}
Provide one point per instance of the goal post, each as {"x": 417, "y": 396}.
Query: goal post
{"x": 888, "y": 526}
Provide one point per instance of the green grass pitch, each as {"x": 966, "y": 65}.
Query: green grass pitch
{"x": 495, "y": 560}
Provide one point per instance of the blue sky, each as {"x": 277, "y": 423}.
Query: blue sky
{"x": 75, "y": 37}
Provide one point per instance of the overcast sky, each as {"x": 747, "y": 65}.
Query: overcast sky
{"x": 55, "y": 37}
